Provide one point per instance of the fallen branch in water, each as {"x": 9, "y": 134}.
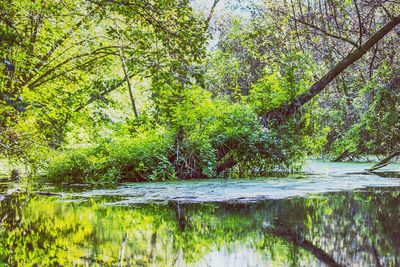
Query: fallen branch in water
{"x": 383, "y": 163}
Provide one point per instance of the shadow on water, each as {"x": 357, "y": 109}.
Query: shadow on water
{"x": 332, "y": 229}
{"x": 387, "y": 174}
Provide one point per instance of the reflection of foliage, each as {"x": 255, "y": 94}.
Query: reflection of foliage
{"x": 46, "y": 231}
{"x": 35, "y": 235}
{"x": 50, "y": 232}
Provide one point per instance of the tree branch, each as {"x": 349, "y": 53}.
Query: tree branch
{"x": 210, "y": 15}
{"x": 84, "y": 64}
{"x": 54, "y": 68}
{"x": 128, "y": 82}
{"x": 324, "y": 32}
{"x": 386, "y": 161}
{"x": 283, "y": 112}
{"x": 102, "y": 94}
{"x": 58, "y": 43}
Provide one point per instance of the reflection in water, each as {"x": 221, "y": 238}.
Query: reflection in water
{"x": 334, "y": 229}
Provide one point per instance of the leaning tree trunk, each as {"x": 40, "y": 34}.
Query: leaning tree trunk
{"x": 283, "y": 112}
{"x": 386, "y": 161}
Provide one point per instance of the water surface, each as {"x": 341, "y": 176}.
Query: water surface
{"x": 337, "y": 215}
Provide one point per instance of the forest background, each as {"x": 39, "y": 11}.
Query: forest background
{"x": 153, "y": 90}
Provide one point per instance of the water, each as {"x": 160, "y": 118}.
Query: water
{"x": 338, "y": 215}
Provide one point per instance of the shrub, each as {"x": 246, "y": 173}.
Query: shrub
{"x": 137, "y": 158}
{"x": 204, "y": 138}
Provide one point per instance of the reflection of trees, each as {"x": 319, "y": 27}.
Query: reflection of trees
{"x": 11, "y": 216}
{"x": 337, "y": 229}
{"x": 352, "y": 227}
{"x": 29, "y": 238}
{"x": 62, "y": 233}
{"x": 295, "y": 238}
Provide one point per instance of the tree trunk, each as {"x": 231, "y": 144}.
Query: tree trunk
{"x": 128, "y": 81}
{"x": 386, "y": 161}
{"x": 342, "y": 156}
{"x": 283, "y": 112}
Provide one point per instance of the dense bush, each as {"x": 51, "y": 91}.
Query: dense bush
{"x": 142, "y": 157}
{"x": 205, "y": 138}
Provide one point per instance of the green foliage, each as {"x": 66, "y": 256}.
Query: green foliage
{"x": 198, "y": 115}
{"x": 376, "y": 131}
{"x": 282, "y": 82}
{"x": 137, "y": 158}
{"x": 302, "y": 135}
{"x": 59, "y": 61}
{"x": 204, "y": 137}
{"x": 210, "y": 125}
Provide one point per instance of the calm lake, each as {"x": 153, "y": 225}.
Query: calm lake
{"x": 335, "y": 215}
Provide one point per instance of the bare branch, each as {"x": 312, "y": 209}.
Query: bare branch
{"x": 283, "y": 112}
{"x": 210, "y": 14}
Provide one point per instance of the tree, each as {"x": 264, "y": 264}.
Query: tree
{"x": 290, "y": 108}
{"x": 60, "y": 57}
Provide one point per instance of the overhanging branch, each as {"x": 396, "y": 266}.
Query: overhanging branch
{"x": 283, "y": 112}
